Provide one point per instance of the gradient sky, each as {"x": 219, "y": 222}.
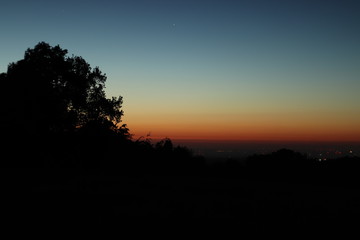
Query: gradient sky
{"x": 237, "y": 70}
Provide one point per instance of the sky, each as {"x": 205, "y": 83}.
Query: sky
{"x": 217, "y": 69}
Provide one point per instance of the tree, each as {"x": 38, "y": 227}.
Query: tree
{"x": 50, "y": 92}
{"x": 165, "y": 146}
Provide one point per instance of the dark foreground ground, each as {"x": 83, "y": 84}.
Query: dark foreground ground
{"x": 89, "y": 198}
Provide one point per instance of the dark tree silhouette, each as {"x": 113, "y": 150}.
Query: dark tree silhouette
{"x": 165, "y": 146}
{"x": 50, "y": 92}
{"x": 283, "y": 164}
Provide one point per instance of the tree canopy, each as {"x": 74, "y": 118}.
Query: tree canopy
{"x": 50, "y": 92}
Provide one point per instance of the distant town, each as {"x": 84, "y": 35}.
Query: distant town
{"x": 241, "y": 149}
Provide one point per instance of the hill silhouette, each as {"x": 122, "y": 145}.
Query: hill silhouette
{"x": 62, "y": 135}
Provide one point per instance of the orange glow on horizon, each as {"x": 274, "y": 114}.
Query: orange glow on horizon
{"x": 249, "y": 136}
{"x": 246, "y": 130}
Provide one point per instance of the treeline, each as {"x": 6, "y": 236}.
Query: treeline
{"x": 286, "y": 165}
{"x": 111, "y": 153}
{"x": 107, "y": 151}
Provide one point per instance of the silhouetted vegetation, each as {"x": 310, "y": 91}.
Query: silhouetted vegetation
{"x": 61, "y": 134}
{"x": 49, "y": 92}
{"x": 289, "y": 166}
{"x": 55, "y": 114}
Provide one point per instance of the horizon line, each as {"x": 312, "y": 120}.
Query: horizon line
{"x": 250, "y": 140}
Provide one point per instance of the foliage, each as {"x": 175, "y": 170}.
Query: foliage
{"x": 50, "y": 92}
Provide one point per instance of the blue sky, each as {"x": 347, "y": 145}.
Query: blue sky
{"x": 186, "y": 62}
